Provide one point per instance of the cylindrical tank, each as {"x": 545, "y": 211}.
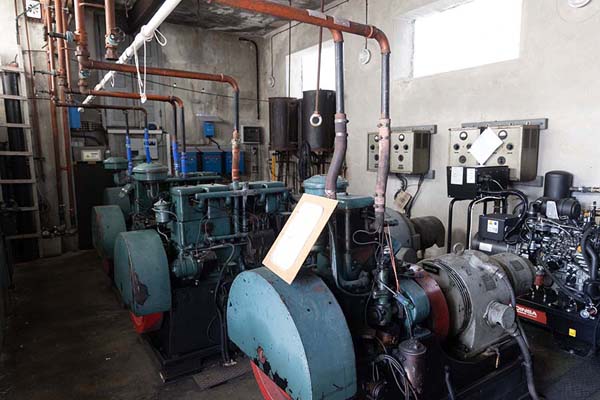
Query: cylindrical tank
{"x": 284, "y": 114}
{"x": 319, "y": 138}
{"x": 557, "y": 185}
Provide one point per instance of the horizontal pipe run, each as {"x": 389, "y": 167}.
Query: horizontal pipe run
{"x": 310, "y": 17}
{"x": 146, "y": 33}
{"x": 174, "y": 73}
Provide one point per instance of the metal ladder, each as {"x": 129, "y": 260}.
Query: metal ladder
{"x": 15, "y": 128}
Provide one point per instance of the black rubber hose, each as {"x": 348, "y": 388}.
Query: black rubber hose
{"x": 527, "y": 363}
{"x": 589, "y": 255}
{"x": 340, "y": 283}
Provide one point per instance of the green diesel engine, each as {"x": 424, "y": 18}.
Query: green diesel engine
{"x": 174, "y": 277}
{"x": 128, "y": 205}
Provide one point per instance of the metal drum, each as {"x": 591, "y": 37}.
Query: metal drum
{"x": 320, "y": 138}
{"x": 284, "y": 124}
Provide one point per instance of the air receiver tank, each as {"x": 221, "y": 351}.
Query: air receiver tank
{"x": 320, "y": 138}
{"x": 283, "y": 123}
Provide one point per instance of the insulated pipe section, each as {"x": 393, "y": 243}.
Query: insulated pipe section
{"x": 342, "y": 25}
{"x": 341, "y": 122}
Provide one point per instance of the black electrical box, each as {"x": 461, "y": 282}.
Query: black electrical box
{"x": 494, "y": 226}
{"x": 466, "y": 183}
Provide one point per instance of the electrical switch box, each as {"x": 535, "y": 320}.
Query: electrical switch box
{"x": 409, "y": 151}
{"x": 519, "y": 149}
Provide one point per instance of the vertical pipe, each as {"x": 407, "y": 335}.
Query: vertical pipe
{"x": 128, "y": 145}
{"x": 111, "y": 43}
{"x": 183, "y": 145}
{"x": 59, "y": 19}
{"x": 257, "y": 60}
{"x": 384, "y": 143}
{"x": 53, "y": 120}
{"x": 147, "y": 144}
{"x": 341, "y": 122}
{"x": 66, "y": 55}
{"x": 81, "y": 52}
{"x": 174, "y": 147}
{"x": 235, "y": 142}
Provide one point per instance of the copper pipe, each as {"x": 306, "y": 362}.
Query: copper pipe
{"x": 337, "y": 24}
{"x": 92, "y": 5}
{"x": 66, "y": 51}
{"x": 53, "y": 119}
{"x": 174, "y": 73}
{"x": 309, "y": 17}
{"x": 62, "y": 78}
{"x": 111, "y": 43}
{"x": 59, "y": 17}
{"x": 81, "y": 52}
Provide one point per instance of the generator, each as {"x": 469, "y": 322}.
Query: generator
{"x": 128, "y": 205}
{"x": 563, "y": 242}
{"x": 360, "y": 320}
{"x": 174, "y": 267}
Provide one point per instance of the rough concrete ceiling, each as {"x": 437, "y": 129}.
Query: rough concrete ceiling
{"x": 215, "y": 17}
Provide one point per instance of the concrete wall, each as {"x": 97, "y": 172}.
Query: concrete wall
{"x": 555, "y": 77}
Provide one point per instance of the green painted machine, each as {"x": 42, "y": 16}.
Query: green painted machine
{"x": 364, "y": 320}
{"x": 128, "y": 206}
{"x": 175, "y": 275}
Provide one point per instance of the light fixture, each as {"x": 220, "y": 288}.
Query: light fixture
{"x": 579, "y": 3}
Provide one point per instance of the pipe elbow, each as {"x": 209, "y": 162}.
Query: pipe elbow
{"x": 382, "y": 40}
{"x": 231, "y": 81}
{"x": 176, "y": 101}
{"x": 338, "y": 36}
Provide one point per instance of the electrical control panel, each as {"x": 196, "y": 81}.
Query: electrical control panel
{"x": 409, "y": 151}
{"x": 519, "y": 149}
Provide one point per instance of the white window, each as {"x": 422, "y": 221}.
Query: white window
{"x": 454, "y": 35}
{"x": 304, "y": 69}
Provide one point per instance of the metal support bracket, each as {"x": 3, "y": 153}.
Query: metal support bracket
{"x": 541, "y": 122}
{"x": 429, "y": 128}
{"x": 429, "y": 175}
{"x": 537, "y": 182}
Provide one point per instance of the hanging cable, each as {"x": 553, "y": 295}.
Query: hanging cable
{"x": 316, "y": 119}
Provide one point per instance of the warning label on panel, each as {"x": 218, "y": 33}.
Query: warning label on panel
{"x": 532, "y": 314}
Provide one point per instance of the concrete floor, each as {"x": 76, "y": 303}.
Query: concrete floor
{"x": 69, "y": 339}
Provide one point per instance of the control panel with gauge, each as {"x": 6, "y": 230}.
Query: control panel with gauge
{"x": 409, "y": 151}
{"x": 518, "y": 149}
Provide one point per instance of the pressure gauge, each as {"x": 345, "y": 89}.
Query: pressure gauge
{"x": 463, "y": 135}
{"x": 502, "y": 134}
{"x": 365, "y": 56}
